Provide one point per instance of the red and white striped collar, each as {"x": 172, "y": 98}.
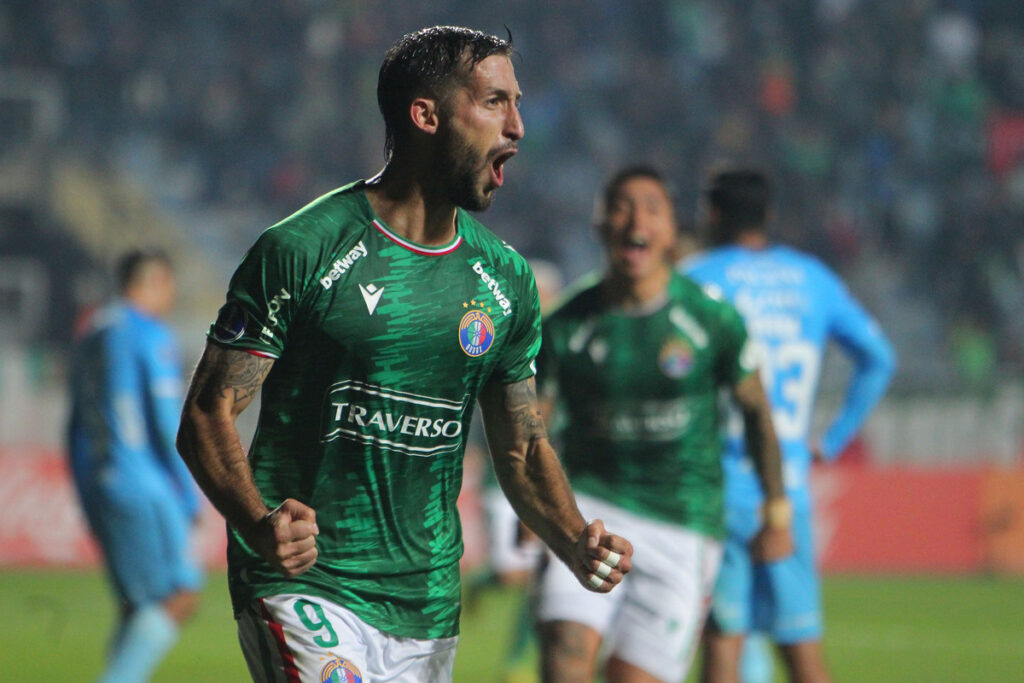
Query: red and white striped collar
{"x": 418, "y": 248}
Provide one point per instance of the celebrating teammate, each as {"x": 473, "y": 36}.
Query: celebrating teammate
{"x": 371, "y": 320}
{"x": 138, "y": 497}
{"x": 636, "y": 360}
{"x": 793, "y": 306}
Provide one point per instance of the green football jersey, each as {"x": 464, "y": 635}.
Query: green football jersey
{"x": 641, "y": 395}
{"x": 381, "y": 348}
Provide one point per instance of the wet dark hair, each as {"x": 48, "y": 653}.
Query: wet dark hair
{"x": 624, "y": 175}
{"x": 130, "y": 265}
{"x": 741, "y": 197}
{"x": 428, "y": 63}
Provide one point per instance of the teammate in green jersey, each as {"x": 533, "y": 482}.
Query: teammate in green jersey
{"x": 371, "y": 320}
{"x": 637, "y": 359}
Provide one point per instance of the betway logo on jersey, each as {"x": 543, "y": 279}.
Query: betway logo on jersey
{"x": 492, "y": 285}
{"x": 411, "y": 424}
{"x": 341, "y": 266}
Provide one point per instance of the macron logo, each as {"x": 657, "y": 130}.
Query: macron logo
{"x": 371, "y": 295}
{"x": 341, "y": 266}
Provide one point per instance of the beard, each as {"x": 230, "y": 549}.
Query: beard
{"x": 460, "y": 169}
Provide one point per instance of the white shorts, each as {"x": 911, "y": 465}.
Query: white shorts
{"x": 302, "y": 638}
{"x": 653, "y": 619}
{"x": 504, "y": 552}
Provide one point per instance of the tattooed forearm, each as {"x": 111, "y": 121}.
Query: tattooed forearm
{"x": 526, "y": 466}
{"x": 223, "y": 384}
{"x": 524, "y": 411}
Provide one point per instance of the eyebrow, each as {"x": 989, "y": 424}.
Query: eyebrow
{"x": 501, "y": 92}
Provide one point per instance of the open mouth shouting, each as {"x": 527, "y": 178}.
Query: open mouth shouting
{"x": 634, "y": 245}
{"x": 497, "y": 170}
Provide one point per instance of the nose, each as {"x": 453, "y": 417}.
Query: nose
{"x": 514, "y": 128}
{"x": 631, "y": 220}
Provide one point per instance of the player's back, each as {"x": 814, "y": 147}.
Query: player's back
{"x": 792, "y": 305}
{"x": 110, "y": 432}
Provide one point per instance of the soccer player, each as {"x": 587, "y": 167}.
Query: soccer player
{"x": 793, "y": 305}
{"x": 371, "y": 320}
{"x": 138, "y": 497}
{"x": 637, "y": 359}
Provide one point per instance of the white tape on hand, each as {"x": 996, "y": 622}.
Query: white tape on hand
{"x": 603, "y": 570}
{"x": 613, "y": 559}
{"x": 595, "y": 581}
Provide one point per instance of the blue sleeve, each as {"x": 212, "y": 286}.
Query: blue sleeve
{"x": 163, "y": 388}
{"x": 874, "y": 361}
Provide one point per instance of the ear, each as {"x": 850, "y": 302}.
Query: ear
{"x": 424, "y": 115}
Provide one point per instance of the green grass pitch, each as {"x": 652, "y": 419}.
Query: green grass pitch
{"x": 55, "y": 626}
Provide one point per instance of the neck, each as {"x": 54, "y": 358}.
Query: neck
{"x": 143, "y": 304}
{"x": 752, "y": 239}
{"x": 631, "y": 293}
{"x": 409, "y": 205}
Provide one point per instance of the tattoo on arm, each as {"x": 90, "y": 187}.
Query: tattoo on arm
{"x": 527, "y": 467}
{"x": 229, "y": 374}
{"x": 242, "y": 375}
{"x": 524, "y": 411}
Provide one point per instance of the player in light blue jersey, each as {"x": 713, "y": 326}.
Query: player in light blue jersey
{"x": 793, "y": 306}
{"x": 137, "y": 494}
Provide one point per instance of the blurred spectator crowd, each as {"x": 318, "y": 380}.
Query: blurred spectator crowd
{"x": 894, "y": 130}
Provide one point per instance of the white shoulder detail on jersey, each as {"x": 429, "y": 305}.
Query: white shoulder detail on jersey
{"x": 581, "y": 336}
{"x": 688, "y": 326}
{"x": 751, "y": 356}
{"x": 714, "y": 291}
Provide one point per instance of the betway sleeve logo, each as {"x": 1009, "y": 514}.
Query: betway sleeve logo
{"x": 341, "y": 266}
{"x": 492, "y": 285}
{"x": 411, "y": 424}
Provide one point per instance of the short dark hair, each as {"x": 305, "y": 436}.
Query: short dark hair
{"x": 130, "y": 265}
{"x": 741, "y": 197}
{"x": 626, "y": 174}
{"x": 427, "y": 63}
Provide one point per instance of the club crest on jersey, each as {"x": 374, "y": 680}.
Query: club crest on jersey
{"x": 230, "y": 323}
{"x": 338, "y": 670}
{"x": 675, "y": 358}
{"x": 476, "y": 333}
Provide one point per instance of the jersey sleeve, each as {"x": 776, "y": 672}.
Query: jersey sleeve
{"x": 736, "y": 357}
{"x": 518, "y": 359}
{"x": 874, "y": 362}
{"x": 264, "y": 295}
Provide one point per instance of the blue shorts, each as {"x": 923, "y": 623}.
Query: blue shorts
{"x": 144, "y": 535}
{"x": 781, "y": 598}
